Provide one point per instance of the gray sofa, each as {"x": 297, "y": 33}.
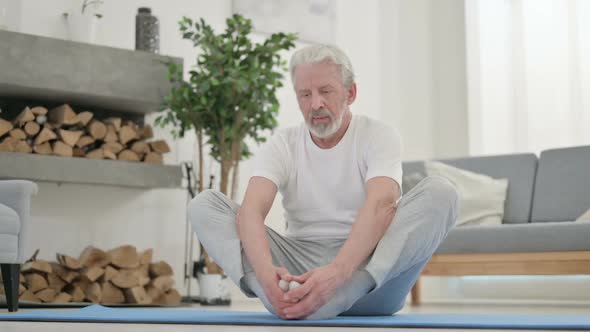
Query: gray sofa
{"x": 538, "y": 234}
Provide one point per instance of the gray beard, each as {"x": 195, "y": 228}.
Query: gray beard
{"x": 325, "y": 130}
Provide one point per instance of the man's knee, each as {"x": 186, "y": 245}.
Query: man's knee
{"x": 199, "y": 206}
{"x": 444, "y": 195}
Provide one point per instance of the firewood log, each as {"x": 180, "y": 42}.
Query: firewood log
{"x": 124, "y": 257}
{"x": 95, "y": 154}
{"x": 97, "y": 129}
{"x": 146, "y": 132}
{"x": 70, "y": 137}
{"x": 92, "y": 256}
{"x": 109, "y": 273}
{"x": 155, "y": 294}
{"x": 92, "y": 273}
{"x": 111, "y": 294}
{"x": 163, "y": 283}
{"x": 63, "y": 115}
{"x": 11, "y": 140}
{"x": 76, "y": 292}
{"x": 7, "y": 146}
{"x": 29, "y": 296}
{"x": 46, "y": 295}
{"x": 21, "y": 289}
{"x": 18, "y": 133}
{"x": 25, "y": 116}
{"x": 116, "y": 122}
{"x": 140, "y": 147}
{"x": 153, "y": 158}
{"x": 55, "y": 282}
{"x": 114, "y": 147}
{"x": 160, "y": 146}
{"x": 78, "y": 152}
{"x": 159, "y": 269}
{"x": 39, "y": 110}
{"x": 32, "y": 128}
{"x": 62, "y": 298}
{"x": 35, "y": 282}
{"x": 23, "y": 147}
{"x": 5, "y": 127}
{"x": 126, "y": 134}
{"x": 68, "y": 261}
{"x": 172, "y": 297}
{"x": 44, "y": 148}
{"x": 36, "y": 266}
{"x": 85, "y": 141}
{"x": 45, "y": 135}
{"x": 62, "y": 149}
{"x": 108, "y": 154}
{"x": 125, "y": 279}
{"x": 111, "y": 135}
{"x": 146, "y": 256}
{"x": 128, "y": 155}
{"x": 93, "y": 292}
{"x": 65, "y": 274}
{"x": 137, "y": 295}
{"x": 84, "y": 118}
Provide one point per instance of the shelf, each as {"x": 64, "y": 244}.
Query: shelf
{"x": 61, "y": 71}
{"x": 88, "y": 171}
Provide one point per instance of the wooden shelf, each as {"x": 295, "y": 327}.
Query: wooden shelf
{"x": 44, "y": 168}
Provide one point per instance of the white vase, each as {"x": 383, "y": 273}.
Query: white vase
{"x": 82, "y": 27}
{"x": 213, "y": 289}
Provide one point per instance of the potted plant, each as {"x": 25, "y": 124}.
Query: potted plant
{"x": 229, "y": 97}
{"x": 82, "y": 22}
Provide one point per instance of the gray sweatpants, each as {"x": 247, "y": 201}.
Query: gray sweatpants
{"x": 424, "y": 217}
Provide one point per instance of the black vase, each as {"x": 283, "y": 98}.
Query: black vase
{"x": 147, "y": 31}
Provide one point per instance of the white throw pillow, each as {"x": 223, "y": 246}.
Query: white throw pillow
{"x": 481, "y": 198}
{"x": 584, "y": 217}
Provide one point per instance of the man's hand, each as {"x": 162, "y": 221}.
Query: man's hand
{"x": 318, "y": 287}
{"x": 270, "y": 283}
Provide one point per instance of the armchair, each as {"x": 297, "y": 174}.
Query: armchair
{"x": 15, "y": 202}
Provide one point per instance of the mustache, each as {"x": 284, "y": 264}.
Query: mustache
{"x": 321, "y": 112}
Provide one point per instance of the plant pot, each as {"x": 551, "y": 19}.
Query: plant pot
{"x": 81, "y": 27}
{"x": 213, "y": 289}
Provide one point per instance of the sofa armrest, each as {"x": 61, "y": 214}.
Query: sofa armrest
{"x": 16, "y": 194}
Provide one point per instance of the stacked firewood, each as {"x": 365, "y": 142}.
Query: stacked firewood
{"x": 118, "y": 276}
{"x": 63, "y": 132}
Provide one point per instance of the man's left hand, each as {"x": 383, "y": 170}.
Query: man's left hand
{"x": 317, "y": 288}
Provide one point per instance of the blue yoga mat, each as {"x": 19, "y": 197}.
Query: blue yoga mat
{"x": 97, "y": 313}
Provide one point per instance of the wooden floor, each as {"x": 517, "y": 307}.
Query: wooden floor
{"x": 254, "y": 306}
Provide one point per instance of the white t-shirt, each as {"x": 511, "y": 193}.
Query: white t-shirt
{"x": 323, "y": 189}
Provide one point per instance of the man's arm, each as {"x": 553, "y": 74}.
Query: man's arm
{"x": 258, "y": 200}
{"x": 372, "y": 221}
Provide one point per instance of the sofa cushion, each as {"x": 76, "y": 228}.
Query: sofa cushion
{"x": 481, "y": 198}
{"x": 9, "y": 221}
{"x": 519, "y": 169}
{"x": 562, "y": 188}
{"x": 532, "y": 237}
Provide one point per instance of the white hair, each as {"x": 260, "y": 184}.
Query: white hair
{"x": 319, "y": 53}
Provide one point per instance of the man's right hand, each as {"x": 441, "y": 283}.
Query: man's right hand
{"x": 270, "y": 283}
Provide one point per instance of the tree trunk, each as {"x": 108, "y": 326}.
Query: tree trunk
{"x": 225, "y": 170}
{"x": 200, "y": 180}
{"x": 235, "y": 180}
